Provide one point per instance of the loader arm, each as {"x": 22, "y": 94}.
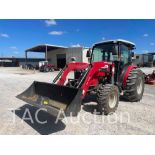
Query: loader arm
{"x": 71, "y": 67}
{"x": 91, "y": 76}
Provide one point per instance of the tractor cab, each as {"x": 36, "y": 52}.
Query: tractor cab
{"x": 113, "y": 50}
{"x": 117, "y": 51}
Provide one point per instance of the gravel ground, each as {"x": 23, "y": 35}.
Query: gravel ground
{"x": 130, "y": 118}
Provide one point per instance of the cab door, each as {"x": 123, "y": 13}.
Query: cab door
{"x": 125, "y": 54}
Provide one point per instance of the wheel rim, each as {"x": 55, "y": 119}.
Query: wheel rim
{"x": 112, "y": 100}
{"x": 139, "y": 86}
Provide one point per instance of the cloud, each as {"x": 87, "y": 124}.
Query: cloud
{"x": 50, "y": 22}
{"x": 145, "y": 35}
{"x": 76, "y": 45}
{"x": 103, "y": 38}
{"x": 57, "y": 33}
{"x": 13, "y": 48}
{"x": 145, "y": 51}
{"x": 152, "y": 44}
{"x": 4, "y": 35}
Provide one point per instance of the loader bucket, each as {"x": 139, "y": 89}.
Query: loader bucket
{"x": 53, "y": 98}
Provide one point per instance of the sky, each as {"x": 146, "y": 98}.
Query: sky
{"x": 18, "y": 35}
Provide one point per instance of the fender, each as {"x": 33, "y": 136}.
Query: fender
{"x": 94, "y": 74}
{"x": 126, "y": 73}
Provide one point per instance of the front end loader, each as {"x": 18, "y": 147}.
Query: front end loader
{"x": 109, "y": 74}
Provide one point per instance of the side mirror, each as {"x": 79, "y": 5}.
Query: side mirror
{"x": 88, "y": 55}
{"x": 132, "y": 54}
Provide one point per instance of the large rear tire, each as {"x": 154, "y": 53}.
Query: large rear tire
{"x": 135, "y": 86}
{"x": 107, "y": 98}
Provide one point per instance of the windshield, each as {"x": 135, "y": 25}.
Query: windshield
{"x": 103, "y": 52}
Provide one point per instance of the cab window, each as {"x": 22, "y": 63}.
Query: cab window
{"x": 125, "y": 54}
{"x": 103, "y": 53}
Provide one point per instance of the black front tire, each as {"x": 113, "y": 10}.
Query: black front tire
{"x": 52, "y": 69}
{"x": 107, "y": 98}
{"x": 46, "y": 69}
{"x": 135, "y": 86}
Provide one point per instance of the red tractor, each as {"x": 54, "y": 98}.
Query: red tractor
{"x": 109, "y": 74}
{"x": 47, "y": 68}
{"x": 150, "y": 78}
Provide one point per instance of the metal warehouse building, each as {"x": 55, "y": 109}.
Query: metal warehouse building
{"x": 145, "y": 60}
{"x": 59, "y": 55}
{"x": 16, "y": 61}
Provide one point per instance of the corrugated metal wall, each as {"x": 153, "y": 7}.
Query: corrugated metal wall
{"x": 74, "y": 52}
{"x": 77, "y": 52}
{"x": 52, "y": 55}
{"x": 138, "y": 59}
{"x": 84, "y": 53}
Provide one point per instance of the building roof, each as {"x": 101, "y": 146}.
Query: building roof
{"x": 116, "y": 41}
{"x": 42, "y": 48}
{"x": 153, "y": 53}
{"x": 148, "y": 53}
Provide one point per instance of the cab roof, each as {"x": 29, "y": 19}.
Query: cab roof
{"x": 131, "y": 44}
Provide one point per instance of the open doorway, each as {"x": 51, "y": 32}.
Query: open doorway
{"x": 61, "y": 60}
